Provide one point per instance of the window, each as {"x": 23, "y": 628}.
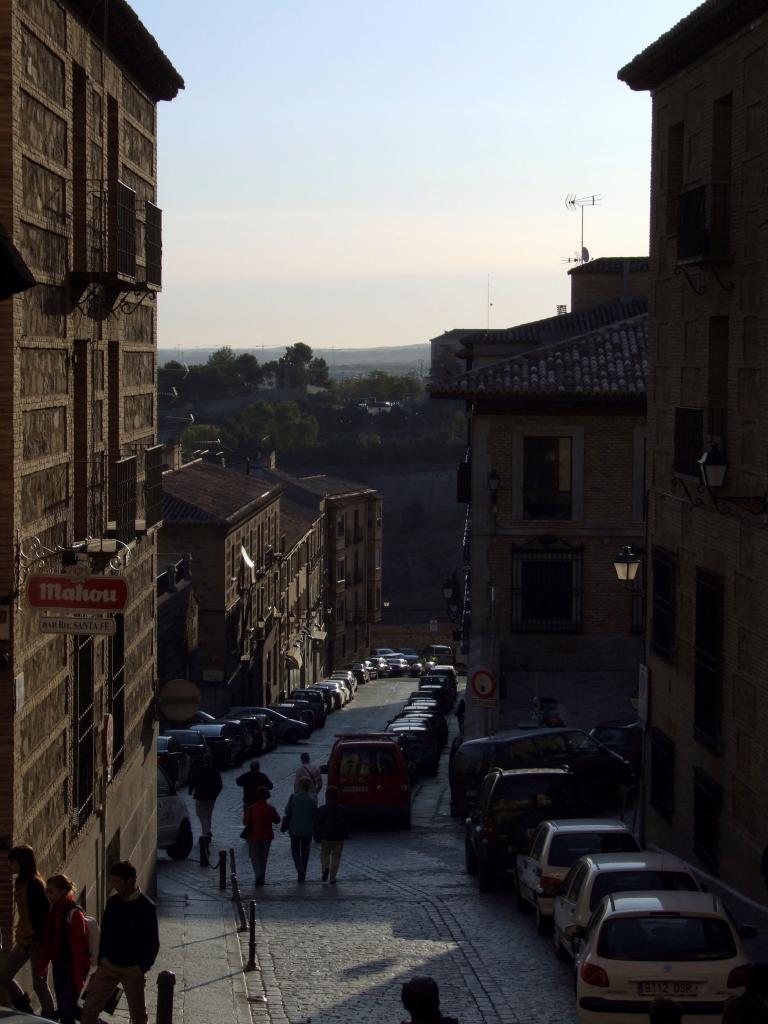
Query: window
{"x": 340, "y": 526}
{"x": 707, "y": 804}
{"x": 124, "y": 498}
{"x": 608, "y": 882}
{"x": 153, "y": 485}
{"x": 663, "y": 603}
{"x": 153, "y": 243}
{"x": 547, "y": 477}
{"x": 670, "y": 939}
{"x": 117, "y": 693}
{"x": 720, "y": 218}
{"x": 675, "y": 143}
{"x": 662, "y": 788}
{"x": 708, "y": 654}
{"x": 85, "y": 753}
{"x": 692, "y": 227}
{"x": 552, "y": 749}
{"x": 341, "y": 570}
{"x": 567, "y": 847}
{"x": 689, "y": 441}
{"x": 717, "y": 402}
{"x": 546, "y": 590}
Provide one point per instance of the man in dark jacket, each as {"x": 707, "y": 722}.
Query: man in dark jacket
{"x": 205, "y": 789}
{"x": 421, "y": 998}
{"x": 250, "y": 781}
{"x": 128, "y": 947}
{"x": 330, "y": 830}
{"x": 750, "y": 1007}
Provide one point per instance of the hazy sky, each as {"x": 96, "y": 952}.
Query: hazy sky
{"x": 348, "y": 172}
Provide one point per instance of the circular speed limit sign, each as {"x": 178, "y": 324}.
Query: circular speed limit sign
{"x": 483, "y": 685}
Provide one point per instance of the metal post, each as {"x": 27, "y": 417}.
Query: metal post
{"x": 251, "y": 965}
{"x": 237, "y": 900}
{"x": 222, "y": 869}
{"x": 232, "y": 865}
{"x": 204, "y": 843}
{"x": 166, "y": 981}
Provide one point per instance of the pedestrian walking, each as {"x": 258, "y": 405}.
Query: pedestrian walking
{"x": 664, "y": 1011}
{"x": 128, "y": 947}
{"x": 250, "y": 781}
{"x": 205, "y": 789}
{"x": 331, "y": 830}
{"x": 65, "y": 946}
{"x": 750, "y": 1007}
{"x": 258, "y": 820}
{"x": 32, "y": 908}
{"x": 299, "y": 821}
{"x": 460, "y": 711}
{"x": 307, "y": 770}
{"x": 421, "y": 998}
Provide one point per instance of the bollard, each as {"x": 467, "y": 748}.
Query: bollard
{"x": 232, "y": 865}
{"x": 251, "y": 965}
{"x": 165, "y": 983}
{"x": 204, "y": 842}
{"x": 222, "y": 869}
{"x": 239, "y": 904}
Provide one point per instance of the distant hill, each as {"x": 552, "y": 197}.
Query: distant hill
{"x": 341, "y": 361}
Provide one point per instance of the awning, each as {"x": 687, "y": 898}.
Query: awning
{"x": 293, "y": 658}
{"x": 318, "y": 634}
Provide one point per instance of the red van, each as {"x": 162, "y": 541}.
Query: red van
{"x": 371, "y": 774}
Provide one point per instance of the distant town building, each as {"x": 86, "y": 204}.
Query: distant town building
{"x": 707, "y": 555}
{"x": 80, "y": 264}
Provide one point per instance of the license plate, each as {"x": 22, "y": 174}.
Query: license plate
{"x": 354, "y": 789}
{"x": 667, "y": 988}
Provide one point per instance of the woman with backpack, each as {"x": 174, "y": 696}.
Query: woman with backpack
{"x": 31, "y": 914}
{"x": 65, "y": 946}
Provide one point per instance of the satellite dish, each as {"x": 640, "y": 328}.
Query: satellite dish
{"x": 584, "y": 254}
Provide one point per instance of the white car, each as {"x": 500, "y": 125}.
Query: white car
{"x": 552, "y": 851}
{"x": 593, "y": 877}
{"x": 346, "y": 675}
{"x": 639, "y": 946}
{"x": 343, "y": 683}
{"x": 174, "y": 829}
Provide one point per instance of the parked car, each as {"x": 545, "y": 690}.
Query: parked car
{"x": 433, "y": 716}
{"x": 595, "y": 876}
{"x": 605, "y": 775}
{"x": 639, "y": 946}
{"x": 623, "y": 739}
{"x": 299, "y": 710}
{"x": 194, "y": 744}
{"x": 382, "y": 666}
{"x": 419, "y": 744}
{"x": 347, "y": 676}
{"x": 509, "y": 807}
{"x": 397, "y": 665}
{"x": 382, "y": 652}
{"x": 373, "y": 668}
{"x": 254, "y": 726}
{"x": 446, "y": 672}
{"x": 549, "y": 855}
{"x": 335, "y": 691}
{"x": 329, "y": 702}
{"x": 316, "y": 701}
{"x": 173, "y": 759}
{"x": 415, "y": 664}
{"x": 288, "y": 729}
{"x": 174, "y": 829}
{"x": 269, "y": 733}
{"x": 371, "y": 774}
{"x": 345, "y": 685}
{"x": 226, "y": 742}
{"x": 439, "y": 694}
{"x": 359, "y": 671}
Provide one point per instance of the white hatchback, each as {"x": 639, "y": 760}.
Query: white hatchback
{"x": 639, "y": 946}
{"x": 552, "y": 850}
{"x": 593, "y": 877}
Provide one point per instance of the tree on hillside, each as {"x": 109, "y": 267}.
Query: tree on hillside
{"x": 201, "y": 436}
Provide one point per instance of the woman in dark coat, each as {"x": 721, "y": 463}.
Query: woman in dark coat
{"x": 32, "y": 908}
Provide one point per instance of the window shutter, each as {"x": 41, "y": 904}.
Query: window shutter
{"x": 153, "y": 485}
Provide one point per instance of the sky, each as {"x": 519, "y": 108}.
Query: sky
{"x": 350, "y": 173}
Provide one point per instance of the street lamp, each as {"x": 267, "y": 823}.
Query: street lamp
{"x": 494, "y": 482}
{"x": 448, "y": 589}
{"x": 626, "y": 563}
{"x": 713, "y": 467}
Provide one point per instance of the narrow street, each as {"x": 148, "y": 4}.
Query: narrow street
{"x": 403, "y": 905}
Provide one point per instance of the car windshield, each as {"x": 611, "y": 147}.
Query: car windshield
{"x": 666, "y": 937}
{"x": 582, "y": 745}
{"x": 356, "y": 762}
{"x": 516, "y": 794}
{"x": 566, "y": 848}
{"x": 188, "y": 736}
{"x": 612, "y": 737}
{"x": 639, "y": 881}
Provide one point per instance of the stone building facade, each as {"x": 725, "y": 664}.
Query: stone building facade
{"x": 353, "y": 537}
{"x": 230, "y": 525}
{"x": 80, "y": 468}
{"x": 707, "y": 643}
{"x": 554, "y": 485}
{"x": 302, "y": 597}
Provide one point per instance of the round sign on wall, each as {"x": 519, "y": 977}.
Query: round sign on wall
{"x": 179, "y": 700}
{"x": 483, "y": 684}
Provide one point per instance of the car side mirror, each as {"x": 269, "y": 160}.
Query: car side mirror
{"x": 324, "y": 769}
{"x": 747, "y": 931}
{"x": 575, "y": 931}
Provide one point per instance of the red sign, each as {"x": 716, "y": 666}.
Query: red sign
{"x": 85, "y": 593}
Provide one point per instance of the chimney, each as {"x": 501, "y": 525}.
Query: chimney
{"x": 172, "y": 456}
{"x": 609, "y": 279}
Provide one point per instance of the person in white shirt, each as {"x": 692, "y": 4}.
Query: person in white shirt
{"x": 307, "y": 770}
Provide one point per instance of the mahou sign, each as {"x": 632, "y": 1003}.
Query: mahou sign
{"x": 89, "y": 593}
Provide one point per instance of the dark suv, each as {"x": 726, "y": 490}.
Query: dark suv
{"x": 509, "y": 806}
{"x": 317, "y": 700}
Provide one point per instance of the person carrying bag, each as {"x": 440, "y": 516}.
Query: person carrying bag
{"x": 65, "y": 946}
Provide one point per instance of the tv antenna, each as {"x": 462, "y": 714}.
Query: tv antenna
{"x": 574, "y": 202}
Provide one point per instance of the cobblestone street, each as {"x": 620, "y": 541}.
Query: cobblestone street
{"x": 403, "y": 905}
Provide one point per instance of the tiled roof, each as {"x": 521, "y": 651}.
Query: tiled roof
{"x": 565, "y": 325}
{"x": 610, "y": 362}
{"x": 612, "y": 265}
{"x": 319, "y": 484}
{"x": 706, "y": 27}
{"x": 202, "y": 492}
{"x": 295, "y": 520}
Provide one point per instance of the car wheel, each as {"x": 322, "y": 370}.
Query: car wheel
{"x": 560, "y": 951}
{"x": 291, "y": 736}
{"x": 470, "y": 859}
{"x": 486, "y": 877}
{"x": 182, "y": 848}
{"x": 543, "y": 921}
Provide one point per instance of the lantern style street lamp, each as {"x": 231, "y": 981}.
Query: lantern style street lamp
{"x": 626, "y": 563}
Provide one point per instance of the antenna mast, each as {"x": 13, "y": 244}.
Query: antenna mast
{"x": 574, "y": 202}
